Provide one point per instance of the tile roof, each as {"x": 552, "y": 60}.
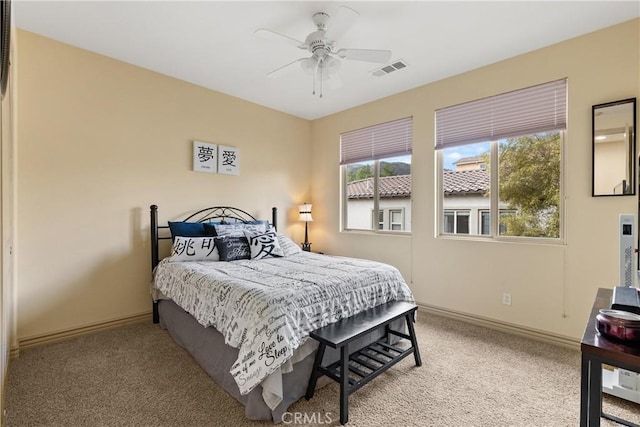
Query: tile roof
{"x": 455, "y": 183}
{"x": 474, "y": 159}
{"x": 466, "y": 182}
{"x": 390, "y": 186}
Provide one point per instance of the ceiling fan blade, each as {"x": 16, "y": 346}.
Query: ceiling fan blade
{"x": 367, "y": 55}
{"x": 285, "y": 69}
{"x": 339, "y": 25}
{"x": 277, "y": 37}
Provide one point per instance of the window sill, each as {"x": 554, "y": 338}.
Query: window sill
{"x": 505, "y": 239}
{"x": 378, "y": 233}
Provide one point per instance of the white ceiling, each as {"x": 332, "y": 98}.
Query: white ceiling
{"x": 211, "y": 43}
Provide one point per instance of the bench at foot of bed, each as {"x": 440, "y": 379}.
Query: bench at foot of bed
{"x": 366, "y": 363}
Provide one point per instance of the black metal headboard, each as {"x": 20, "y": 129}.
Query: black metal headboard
{"x": 222, "y": 214}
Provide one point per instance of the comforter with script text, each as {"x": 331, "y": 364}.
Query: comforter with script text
{"x": 266, "y": 308}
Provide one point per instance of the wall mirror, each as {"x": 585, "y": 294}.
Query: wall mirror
{"x": 614, "y": 147}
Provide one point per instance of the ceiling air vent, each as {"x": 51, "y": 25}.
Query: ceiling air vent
{"x": 394, "y": 66}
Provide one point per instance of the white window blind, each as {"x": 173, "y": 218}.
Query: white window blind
{"x": 521, "y": 112}
{"x": 376, "y": 142}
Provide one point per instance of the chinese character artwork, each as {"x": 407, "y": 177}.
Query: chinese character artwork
{"x": 205, "y": 157}
{"x": 228, "y": 160}
{"x": 205, "y": 153}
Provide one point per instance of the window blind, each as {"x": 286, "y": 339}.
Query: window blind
{"x": 521, "y": 112}
{"x": 376, "y": 142}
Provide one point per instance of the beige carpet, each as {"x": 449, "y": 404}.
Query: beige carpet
{"x": 137, "y": 376}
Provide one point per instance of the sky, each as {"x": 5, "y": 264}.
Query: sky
{"x": 452, "y": 155}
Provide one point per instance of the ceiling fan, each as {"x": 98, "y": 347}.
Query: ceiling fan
{"x": 324, "y": 61}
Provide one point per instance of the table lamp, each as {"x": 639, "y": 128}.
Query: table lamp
{"x": 305, "y": 215}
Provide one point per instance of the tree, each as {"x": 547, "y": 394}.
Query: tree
{"x": 529, "y": 182}
{"x": 387, "y": 169}
{"x": 362, "y": 172}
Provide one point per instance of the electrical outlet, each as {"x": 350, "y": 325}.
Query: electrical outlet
{"x": 506, "y": 298}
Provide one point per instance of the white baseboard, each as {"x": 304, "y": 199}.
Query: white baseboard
{"x": 498, "y": 325}
{"x": 52, "y": 337}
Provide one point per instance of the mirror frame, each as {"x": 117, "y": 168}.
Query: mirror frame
{"x": 632, "y": 155}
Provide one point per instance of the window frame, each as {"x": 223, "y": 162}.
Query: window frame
{"x": 494, "y": 202}
{"x": 456, "y": 214}
{"x": 483, "y": 211}
{"x": 386, "y": 214}
{"x": 378, "y": 223}
{"x": 376, "y": 203}
{"x": 391, "y": 211}
{"x": 376, "y": 143}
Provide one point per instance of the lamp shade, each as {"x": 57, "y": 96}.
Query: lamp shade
{"x": 305, "y": 212}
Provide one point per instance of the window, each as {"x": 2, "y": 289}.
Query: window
{"x": 485, "y": 222}
{"x": 503, "y": 155}
{"x": 456, "y": 222}
{"x": 389, "y": 219}
{"x": 376, "y": 177}
{"x": 396, "y": 219}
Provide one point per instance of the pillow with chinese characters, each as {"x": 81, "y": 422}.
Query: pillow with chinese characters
{"x": 232, "y": 248}
{"x": 194, "y": 249}
{"x": 263, "y": 245}
{"x": 237, "y": 229}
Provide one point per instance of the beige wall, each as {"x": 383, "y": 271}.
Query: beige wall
{"x": 552, "y": 286}
{"x": 100, "y": 141}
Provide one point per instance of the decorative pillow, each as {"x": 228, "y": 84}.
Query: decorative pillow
{"x": 194, "y": 249}
{"x": 187, "y": 229}
{"x": 210, "y": 228}
{"x": 237, "y": 229}
{"x": 287, "y": 245}
{"x": 232, "y": 248}
{"x": 263, "y": 245}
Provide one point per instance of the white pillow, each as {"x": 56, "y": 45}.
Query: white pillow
{"x": 263, "y": 245}
{"x": 237, "y": 229}
{"x": 194, "y": 249}
{"x": 287, "y": 245}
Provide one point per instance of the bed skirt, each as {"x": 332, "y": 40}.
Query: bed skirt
{"x": 207, "y": 347}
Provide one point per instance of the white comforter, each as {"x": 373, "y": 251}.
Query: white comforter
{"x": 266, "y": 308}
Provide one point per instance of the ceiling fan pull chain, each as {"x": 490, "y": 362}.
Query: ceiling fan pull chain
{"x": 321, "y": 82}
{"x": 315, "y": 70}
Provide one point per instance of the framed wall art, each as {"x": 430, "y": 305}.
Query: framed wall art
{"x": 205, "y": 157}
{"x": 228, "y": 160}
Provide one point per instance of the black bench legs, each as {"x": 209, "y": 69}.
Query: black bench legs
{"x": 357, "y": 368}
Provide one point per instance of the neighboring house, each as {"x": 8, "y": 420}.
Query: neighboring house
{"x": 470, "y": 163}
{"x": 466, "y": 205}
{"x": 394, "y": 207}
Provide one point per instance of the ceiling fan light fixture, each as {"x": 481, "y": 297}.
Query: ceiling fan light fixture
{"x": 309, "y": 65}
{"x": 330, "y": 65}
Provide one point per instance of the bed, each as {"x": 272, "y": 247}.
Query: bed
{"x": 245, "y": 318}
